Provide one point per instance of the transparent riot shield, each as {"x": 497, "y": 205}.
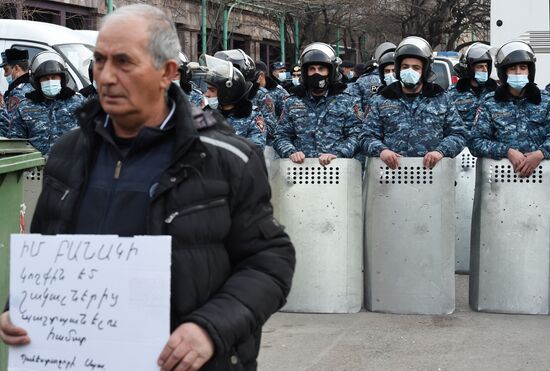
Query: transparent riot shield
{"x": 410, "y": 237}
{"x": 321, "y": 210}
{"x": 465, "y": 186}
{"x": 510, "y": 262}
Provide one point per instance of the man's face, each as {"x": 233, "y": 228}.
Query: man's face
{"x": 296, "y": 75}
{"x": 415, "y": 64}
{"x": 481, "y": 67}
{"x": 211, "y": 92}
{"x": 317, "y": 69}
{"x": 127, "y": 81}
{"x": 390, "y": 68}
{"x": 345, "y": 70}
{"x": 261, "y": 79}
{"x": 518, "y": 69}
{"x": 8, "y": 70}
{"x": 277, "y": 72}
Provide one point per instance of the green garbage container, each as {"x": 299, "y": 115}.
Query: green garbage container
{"x": 16, "y": 157}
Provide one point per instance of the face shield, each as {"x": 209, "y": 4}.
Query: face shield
{"x": 217, "y": 67}
{"x": 323, "y": 48}
{"x": 422, "y": 45}
{"x": 46, "y": 56}
{"x": 383, "y": 49}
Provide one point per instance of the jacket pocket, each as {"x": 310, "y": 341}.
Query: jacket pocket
{"x": 206, "y": 222}
{"x": 58, "y": 199}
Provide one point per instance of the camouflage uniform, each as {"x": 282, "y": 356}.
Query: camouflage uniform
{"x": 364, "y": 88}
{"x": 413, "y": 127}
{"x": 43, "y": 121}
{"x": 264, "y": 103}
{"x": 466, "y": 100}
{"x": 196, "y": 97}
{"x": 278, "y": 94}
{"x": 252, "y": 127}
{"x": 14, "y": 96}
{"x": 505, "y": 122}
{"x": 328, "y": 125}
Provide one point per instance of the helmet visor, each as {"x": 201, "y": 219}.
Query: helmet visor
{"x": 511, "y": 47}
{"x": 322, "y": 47}
{"x": 217, "y": 66}
{"x": 46, "y": 56}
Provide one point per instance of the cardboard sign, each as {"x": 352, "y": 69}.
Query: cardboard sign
{"x": 90, "y": 302}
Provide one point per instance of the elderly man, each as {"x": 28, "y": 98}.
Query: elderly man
{"x": 413, "y": 117}
{"x": 139, "y": 164}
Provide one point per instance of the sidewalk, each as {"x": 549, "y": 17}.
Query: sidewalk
{"x": 465, "y": 340}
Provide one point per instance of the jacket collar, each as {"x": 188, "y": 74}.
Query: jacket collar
{"x": 463, "y": 85}
{"x": 91, "y": 114}
{"x": 336, "y": 88}
{"x": 37, "y": 96}
{"x": 531, "y": 94}
{"x": 23, "y": 79}
{"x": 395, "y": 91}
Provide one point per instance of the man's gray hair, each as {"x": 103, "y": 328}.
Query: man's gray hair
{"x": 163, "y": 38}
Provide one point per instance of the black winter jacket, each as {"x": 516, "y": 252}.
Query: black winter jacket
{"x": 232, "y": 263}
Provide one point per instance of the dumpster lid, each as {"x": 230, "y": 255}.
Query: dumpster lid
{"x": 12, "y": 163}
{"x": 15, "y": 146}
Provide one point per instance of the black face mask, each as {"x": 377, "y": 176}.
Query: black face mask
{"x": 317, "y": 82}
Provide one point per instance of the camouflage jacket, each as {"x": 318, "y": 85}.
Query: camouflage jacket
{"x": 467, "y": 100}
{"x": 505, "y": 122}
{"x": 16, "y": 94}
{"x": 364, "y": 88}
{"x": 252, "y": 127}
{"x": 196, "y": 97}
{"x": 330, "y": 124}
{"x": 263, "y": 101}
{"x": 278, "y": 94}
{"x": 413, "y": 127}
{"x": 43, "y": 121}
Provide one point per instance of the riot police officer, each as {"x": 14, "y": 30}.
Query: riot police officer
{"x": 514, "y": 121}
{"x": 228, "y": 92}
{"x": 367, "y": 85}
{"x": 48, "y": 111}
{"x": 318, "y": 120}
{"x": 259, "y": 96}
{"x": 273, "y": 85}
{"x": 413, "y": 117}
{"x": 474, "y": 70}
{"x": 386, "y": 70}
{"x": 15, "y": 63}
{"x": 183, "y": 80}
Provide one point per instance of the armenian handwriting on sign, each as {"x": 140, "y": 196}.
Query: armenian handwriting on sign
{"x": 90, "y": 302}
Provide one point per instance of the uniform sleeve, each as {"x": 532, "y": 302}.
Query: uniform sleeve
{"x": 482, "y": 142}
{"x": 268, "y": 113}
{"x": 352, "y": 129}
{"x": 455, "y": 132}
{"x": 263, "y": 261}
{"x": 284, "y": 134}
{"x": 254, "y": 133}
{"x": 372, "y": 137}
{"x": 17, "y": 128}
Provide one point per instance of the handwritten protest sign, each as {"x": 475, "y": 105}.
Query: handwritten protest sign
{"x": 90, "y": 302}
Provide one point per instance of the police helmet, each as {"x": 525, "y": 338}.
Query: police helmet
{"x": 415, "y": 47}
{"x": 385, "y": 60}
{"x": 228, "y": 80}
{"x": 515, "y": 52}
{"x": 323, "y": 54}
{"x": 91, "y": 71}
{"x": 476, "y": 53}
{"x": 47, "y": 63}
{"x": 382, "y": 49}
{"x": 183, "y": 67}
{"x": 240, "y": 60}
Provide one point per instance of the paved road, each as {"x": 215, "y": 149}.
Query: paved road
{"x": 465, "y": 340}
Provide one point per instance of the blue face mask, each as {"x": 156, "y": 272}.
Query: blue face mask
{"x": 517, "y": 82}
{"x": 409, "y": 77}
{"x": 51, "y": 88}
{"x": 389, "y": 78}
{"x": 481, "y": 77}
{"x": 9, "y": 79}
{"x": 350, "y": 75}
{"x": 213, "y": 102}
{"x": 295, "y": 81}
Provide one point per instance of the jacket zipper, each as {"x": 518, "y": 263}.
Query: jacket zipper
{"x": 118, "y": 169}
{"x": 192, "y": 209}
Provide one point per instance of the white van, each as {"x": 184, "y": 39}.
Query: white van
{"x": 38, "y": 36}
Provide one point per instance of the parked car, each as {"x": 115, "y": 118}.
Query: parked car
{"x": 38, "y": 36}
